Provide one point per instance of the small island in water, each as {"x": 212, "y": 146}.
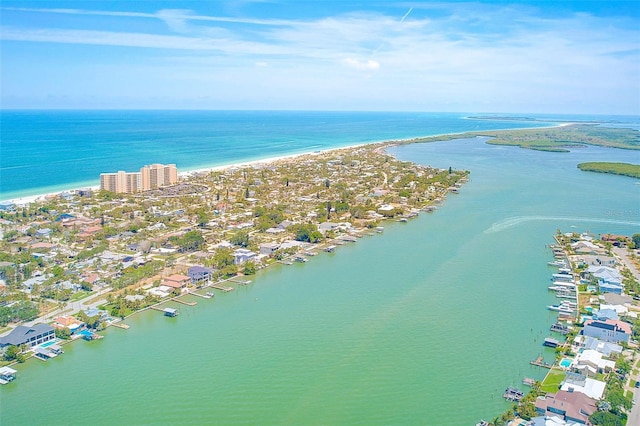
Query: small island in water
{"x": 624, "y": 169}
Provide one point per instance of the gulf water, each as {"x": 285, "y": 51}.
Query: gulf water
{"x": 51, "y": 151}
{"x": 426, "y": 323}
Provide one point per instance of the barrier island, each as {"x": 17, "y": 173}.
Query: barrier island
{"x": 86, "y": 259}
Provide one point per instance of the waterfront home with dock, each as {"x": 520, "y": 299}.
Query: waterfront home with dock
{"x": 177, "y": 281}
{"x": 575, "y": 382}
{"x": 29, "y": 336}
{"x": 199, "y": 274}
{"x": 570, "y": 406}
{"x": 591, "y": 362}
{"x": 608, "y": 331}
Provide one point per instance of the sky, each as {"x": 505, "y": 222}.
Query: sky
{"x": 580, "y": 57}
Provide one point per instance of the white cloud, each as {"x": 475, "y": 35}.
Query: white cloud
{"x": 462, "y": 53}
{"x": 361, "y": 65}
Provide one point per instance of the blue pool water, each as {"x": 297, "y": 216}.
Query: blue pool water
{"x": 47, "y": 344}
{"x": 566, "y": 363}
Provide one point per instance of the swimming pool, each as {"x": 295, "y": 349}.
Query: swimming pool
{"x": 49, "y": 343}
{"x": 566, "y": 363}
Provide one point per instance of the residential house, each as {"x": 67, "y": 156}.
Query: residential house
{"x": 586, "y": 247}
{"x": 608, "y": 330}
{"x": 269, "y": 248}
{"x": 176, "y": 281}
{"x": 66, "y": 321}
{"x": 605, "y": 348}
{"x": 29, "y": 336}
{"x": 92, "y": 312}
{"x": 605, "y": 314}
{"x": 575, "y": 382}
{"x": 590, "y": 362}
{"x": 570, "y": 406}
{"x": 199, "y": 274}
{"x": 243, "y": 255}
{"x": 609, "y": 279}
{"x": 327, "y": 226}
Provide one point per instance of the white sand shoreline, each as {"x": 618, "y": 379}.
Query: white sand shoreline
{"x": 23, "y": 201}
{"x": 28, "y": 199}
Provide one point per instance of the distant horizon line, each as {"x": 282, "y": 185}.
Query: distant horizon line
{"x": 479, "y": 113}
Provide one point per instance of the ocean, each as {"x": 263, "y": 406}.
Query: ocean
{"x": 426, "y": 323}
{"x": 51, "y": 151}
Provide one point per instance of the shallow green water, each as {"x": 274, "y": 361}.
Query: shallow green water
{"x": 426, "y": 323}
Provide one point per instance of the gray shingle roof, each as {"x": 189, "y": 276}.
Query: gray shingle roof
{"x": 21, "y": 334}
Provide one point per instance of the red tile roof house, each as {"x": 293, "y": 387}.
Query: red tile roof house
{"x": 65, "y": 321}
{"x": 571, "y": 406}
{"x": 177, "y": 281}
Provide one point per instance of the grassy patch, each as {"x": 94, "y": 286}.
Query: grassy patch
{"x": 552, "y": 382}
{"x": 624, "y": 169}
{"x": 79, "y": 295}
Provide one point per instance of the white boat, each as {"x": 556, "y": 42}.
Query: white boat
{"x": 566, "y": 307}
{"x": 558, "y": 263}
{"x": 560, "y": 308}
{"x": 562, "y": 277}
{"x": 564, "y": 284}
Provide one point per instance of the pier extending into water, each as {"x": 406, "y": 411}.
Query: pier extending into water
{"x": 540, "y": 362}
{"x": 120, "y": 325}
{"x": 222, "y": 288}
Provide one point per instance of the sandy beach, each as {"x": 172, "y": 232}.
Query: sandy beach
{"x": 26, "y": 200}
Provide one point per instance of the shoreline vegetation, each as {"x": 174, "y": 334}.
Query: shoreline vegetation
{"x": 559, "y": 138}
{"x": 624, "y": 169}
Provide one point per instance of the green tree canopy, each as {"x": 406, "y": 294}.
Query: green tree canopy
{"x": 191, "y": 241}
{"x": 240, "y": 238}
{"x": 307, "y": 232}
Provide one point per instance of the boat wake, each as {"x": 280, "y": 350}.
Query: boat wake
{"x": 517, "y": 220}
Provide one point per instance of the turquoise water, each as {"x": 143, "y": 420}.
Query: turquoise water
{"x": 566, "y": 362}
{"x": 426, "y": 323}
{"x": 48, "y": 151}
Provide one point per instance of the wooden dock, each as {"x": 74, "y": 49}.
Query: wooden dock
{"x": 120, "y": 325}
{"x": 222, "y": 288}
{"x": 240, "y": 281}
{"x": 175, "y": 299}
{"x": 540, "y": 362}
{"x": 193, "y": 293}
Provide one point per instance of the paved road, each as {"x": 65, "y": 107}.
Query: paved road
{"x": 623, "y": 254}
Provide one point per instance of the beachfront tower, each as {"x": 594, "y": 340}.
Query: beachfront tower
{"x": 149, "y": 177}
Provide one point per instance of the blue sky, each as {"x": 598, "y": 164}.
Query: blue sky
{"x": 498, "y": 56}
